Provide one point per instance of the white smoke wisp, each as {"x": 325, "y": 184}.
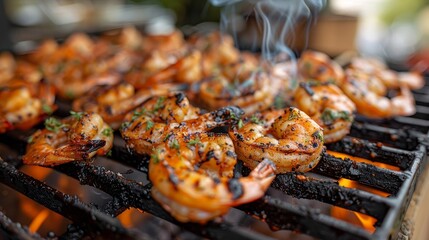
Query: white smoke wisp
{"x": 275, "y": 18}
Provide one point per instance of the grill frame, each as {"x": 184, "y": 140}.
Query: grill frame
{"x": 405, "y": 147}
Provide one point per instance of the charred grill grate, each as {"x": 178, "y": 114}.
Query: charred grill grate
{"x": 402, "y": 143}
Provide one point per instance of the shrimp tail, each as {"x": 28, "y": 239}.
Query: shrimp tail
{"x": 256, "y": 184}
{"x": 264, "y": 169}
{"x": 82, "y": 151}
{"x": 94, "y": 145}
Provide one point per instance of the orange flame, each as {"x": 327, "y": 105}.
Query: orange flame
{"x": 132, "y": 217}
{"x": 363, "y": 160}
{"x": 367, "y": 222}
{"x": 38, "y": 221}
{"x": 360, "y": 219}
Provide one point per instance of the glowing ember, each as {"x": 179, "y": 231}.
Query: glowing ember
{"x": 38, "y": 221}
{"x": 363, "y": 160}
{"x": 131, "y": 218}
{"x": 367, "y": 222}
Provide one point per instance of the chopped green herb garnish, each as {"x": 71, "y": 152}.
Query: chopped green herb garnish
{"x": 240, "y": 124}
{"x": 175, "y": 144}
{"x": 166, "y": 137}
{"x": 76, "y": 115}
{"x": 159, "y": 104}
{"x": 109, "y": 153}
{"x": 294, "y": 114}
{"x": 125, "y": 125}
{"x": 194, "y": 142}
{"x": 233, "y": 116}
{"x": 53, "y": 124}
{"x": 107, "y": 132}
{"x": 155, "y": 156}
{"x": 47, "y": 109}
{"x": 329, "y": 116}
{"x": 30, "y": 139}
{"x": 138, "y": 113}
{"x": 279, "y": 103}
{"x": 149, "y": 124}
{"x": 70, "y": 94}
{"x": 256, "y": 120}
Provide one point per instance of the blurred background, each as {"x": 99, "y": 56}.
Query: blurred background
{"x": 393, "y": 30}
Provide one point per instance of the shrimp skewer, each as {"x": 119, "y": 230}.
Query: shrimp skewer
{"x": 328, "y": 106}
{"x": 191, "y": 177}
{"x": 288, "y": 137}
{"x": 76, "y": 138}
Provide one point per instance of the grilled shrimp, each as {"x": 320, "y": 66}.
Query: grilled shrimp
{"x": 7, "y": 67}
{"x": 328, "y": 106}
{"x": 256, "y": 93}
{"x": 318, "y": 66}
{"x": 218, "y": 50}
{"x": 373, "y": 105}
{"x": 161, "y": 116}
{"x": 24, "y": 104}
{"x": 192, "y": 177}
{"x": 288, "y": 137}
{"x": 390, "y": 78}
{"x": 164, "y": 42}
{"x": 75, "y": 138}
{"x": 186, "y": 70}
{"x": 113, "y": 103}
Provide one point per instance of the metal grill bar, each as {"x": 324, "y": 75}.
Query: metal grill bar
{"x": 133, "y": 194}
{"x": 383, "y": 179}
{"x": 329, "y": 192}
{"x": 386, "y": 135}
{"x": 15, "y": 230}
{"x": 373, "y": 151}
{"x": 66, "y": 205}
{"x": 280, "y": 215}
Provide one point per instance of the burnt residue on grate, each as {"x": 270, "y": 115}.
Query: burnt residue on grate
{"x": 71, "y": 207}
{"x": 12, "y": 230}
{"x": 402, "y": 148}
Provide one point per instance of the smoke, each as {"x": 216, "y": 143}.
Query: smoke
{"x": 276, "y": 19}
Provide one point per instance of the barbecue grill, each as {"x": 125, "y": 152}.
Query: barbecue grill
{"x": 402, "y": 143}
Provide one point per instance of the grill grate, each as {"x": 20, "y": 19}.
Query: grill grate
{"x": 379, "y": 141}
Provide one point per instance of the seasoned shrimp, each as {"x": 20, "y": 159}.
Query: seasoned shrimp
{"x": 7, "y": 66}
{"x": 288, "y": 137}
{"x": 256, "y": 93}
{"x": 373, "y": 105}
{"x": 192, "y": 177}
{"x": 328, "y": 106}
{"x": 160, "y": 116}
{"x": 76, "y": 138}
{"x": 186, "y": 70}
{"x": 113, "y": 103}
{"x": 390, "y": 78}
{"x": 218, "y": 50}
{"x": 75, "y": 82}
{"x": 25, "y": 104}
{"x": 318, "y": 66}
{"x": 164, "y": 42}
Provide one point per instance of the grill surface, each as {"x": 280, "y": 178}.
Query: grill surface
{"x": 402, "y": 142}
